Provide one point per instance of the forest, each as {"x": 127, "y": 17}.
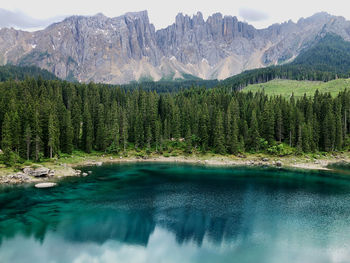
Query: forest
{"x": 46, "y": 118}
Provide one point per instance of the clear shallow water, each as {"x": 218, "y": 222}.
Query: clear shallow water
{"x": 179, "y": 213}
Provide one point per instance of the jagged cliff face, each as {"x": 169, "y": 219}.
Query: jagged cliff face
{"x": 127, "y": 48}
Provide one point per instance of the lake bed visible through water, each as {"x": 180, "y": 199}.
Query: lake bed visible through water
{"x": 159, "y": 212}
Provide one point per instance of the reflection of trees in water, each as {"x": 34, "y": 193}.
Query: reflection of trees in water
{"x": 192, "y": 211}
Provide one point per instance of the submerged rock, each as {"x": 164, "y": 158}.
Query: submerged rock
{"x": 45, "y": 185}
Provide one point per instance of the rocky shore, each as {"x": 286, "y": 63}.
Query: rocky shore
{"x": 51, "y": 173}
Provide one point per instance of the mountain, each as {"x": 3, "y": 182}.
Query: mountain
{"x": 326, "y": 58}
{"x": 128, "y": 48}
{"x": 329, "y": 53}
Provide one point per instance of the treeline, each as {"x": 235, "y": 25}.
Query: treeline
{"x": 170, "y": 86}
{"x": 46, "y": 118}
{"x": 11, "y": 72}
{"x": 289, "y": 71}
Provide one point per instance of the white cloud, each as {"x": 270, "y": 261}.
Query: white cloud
{"x": 18, "y": 19}
{"x": 162, "y": 13}
{"x": 253, "y": 15}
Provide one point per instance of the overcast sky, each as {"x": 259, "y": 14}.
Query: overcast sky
{"x": 36, "y": 14}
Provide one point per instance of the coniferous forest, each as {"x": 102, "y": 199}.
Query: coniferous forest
{"x": 45, "y": 118}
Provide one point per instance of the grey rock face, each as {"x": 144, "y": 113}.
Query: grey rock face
{"x": 38, "y": 172}
{"x": 126, "y": 48}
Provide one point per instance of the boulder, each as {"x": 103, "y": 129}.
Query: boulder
{"x": 40, "y": 172}
{"x": 51, "y": 173}
{"x": 28, "y": 170}
{"x": 279, "y": 164}
{"x": 85, "y": 174}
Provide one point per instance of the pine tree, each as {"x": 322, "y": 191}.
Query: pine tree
{"x": 87, "y": 136}
{"x": 68, "y": 133}
{"x": 114, "y": 132}
{"x": 268, "y": 123}
{"x": 232, "y": 135}
{"x": 139, "y": 131}
{"x": 16, "y": 131}
{"x": 175, "y": 129}
{"x": 28, "y": 140}
{"x": 53, "y": 133}
{"x": 158, "y": 136}
{"x": 124, "y": 131}
{"x": 37, "y": 134}
{"x": 76, "y": 123}
{"x": 329, "y": 131}
{"x": 7, "y": 140}
{"x": 254, "y": 139}
{"x": 188, "y": 139}
{"x": 279, "y": 124}
{"x": 148, "y": 136}
{"x": 100, "y": 141}
{"x": 203, "y": 129}
{"x": 219, "y": 140}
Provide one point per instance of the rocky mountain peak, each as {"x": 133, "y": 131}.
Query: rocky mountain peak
{"x": 126, "y": 48}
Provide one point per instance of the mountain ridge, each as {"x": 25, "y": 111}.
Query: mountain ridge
{"x": 129, "y": 48}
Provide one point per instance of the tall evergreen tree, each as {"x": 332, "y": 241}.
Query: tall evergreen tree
{"x": 87, "y": 135}
{"x": 7, "y": 139}
{"x": 28, "y": 140}
{"x": 219, "y": 140}
{"x": 54, "y": 135}
{"x": 254, "y": 138}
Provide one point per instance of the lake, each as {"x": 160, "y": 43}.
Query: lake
{"x": 157, "y": 212}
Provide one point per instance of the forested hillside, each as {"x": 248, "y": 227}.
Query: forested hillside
{"x": 327, "y": 59}
{"x": 330, "y": 53}
{"x": 45, "y": 118}
{"x": 9, "y": 72}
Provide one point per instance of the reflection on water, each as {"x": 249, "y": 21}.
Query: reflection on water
{"x": 179, "y": 213}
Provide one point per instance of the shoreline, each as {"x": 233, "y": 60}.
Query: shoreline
{"x": 67, "y": 167}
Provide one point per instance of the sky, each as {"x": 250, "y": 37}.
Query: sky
{"x": 37, "y": 14}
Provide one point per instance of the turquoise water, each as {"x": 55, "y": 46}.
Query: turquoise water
{"x": 179, "y": 213}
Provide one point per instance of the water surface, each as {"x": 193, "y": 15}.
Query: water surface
{"x": 179, "y": 213}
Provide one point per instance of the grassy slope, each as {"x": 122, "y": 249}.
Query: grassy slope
{"x": 299, "y": 88}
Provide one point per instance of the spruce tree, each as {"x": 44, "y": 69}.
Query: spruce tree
{"x": 28, "y": 140}
{"x": 124, "y": 131}
{"x": 53, "y": 134}
{"x": 254, "y": 138}
{"x": 219, "y": 140}
{"x": 188, "y": 139}
{"x": 68, "y": 133}
{"x": 268, "y": 123}
{"x": 100, "y": 140}
{"x": 87, "y": 136}
{"x": 37, "y": 134}
{"x": 7, "y": 140}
